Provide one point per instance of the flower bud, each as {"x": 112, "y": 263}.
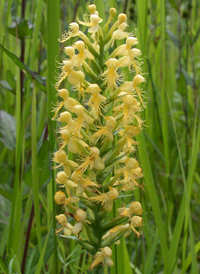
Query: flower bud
{"x": 108, "y": 206}
{"x": 107, "y": 251}
{"x": 60, "y": 197}
{"x": 77, "y": 228}
{"x": 72, "y": 147}
{"x": 92, "y": 8}
{"x": 67, "y": 231}
{"x": 80, "y": 215}
{"x": 60, "y": 156}
{"x": 108, "y": 261}
{"x": 65, "y": 117}
{"x": 122, "y": 18}
{"x": 61, "y": 177}
{"x": 135, "y": 208}
{"x": 112, "y": 12}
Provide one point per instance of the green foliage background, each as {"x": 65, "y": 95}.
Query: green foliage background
{"x": 168, "y": 33}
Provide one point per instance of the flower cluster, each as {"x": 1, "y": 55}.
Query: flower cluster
{"x": 99, "y": 117}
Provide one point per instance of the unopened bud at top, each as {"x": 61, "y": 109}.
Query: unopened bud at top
{"x": 122, "y": 18}
{"x": 92, "y": 8}
{"x": 112, "y": 12}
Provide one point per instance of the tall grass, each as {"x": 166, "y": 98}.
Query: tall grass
{"x": 168, "y": 34}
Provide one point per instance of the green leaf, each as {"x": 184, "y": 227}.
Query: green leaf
{"x": 3, "y": 266}
{"x": 188, "y": 78}
{"x": 48, "y": 251}
{"x": 173, "y": 4}
{"x": 43, "y": 165}
{"x": 6, "y": 85}
{"x": 82, "y": 243}
{"x": 32, "y": 75}
{"x": 182, "y": 86}
{"x": 21, "y": 29}
{"x": 11, "y": 79}
{"x": 196, "y": 37}
{"x": 7, "y": 129}
{"x": 174, "y": 38}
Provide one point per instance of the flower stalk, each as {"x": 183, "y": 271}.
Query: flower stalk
{"x": 98, "y": 128}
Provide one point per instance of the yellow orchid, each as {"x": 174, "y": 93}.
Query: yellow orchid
{"x": 102, "y": 256}
{"x": 111, "y": 75}
{"x": 96, "y": 100}
{"x": 82, "y": 55}
{"x": 106, "y": 199}
{"x": 106, "y": 130}
{"x": 94, "y": 161}
{"x": 66, "y": 227}
{"x": 96, "y": 133}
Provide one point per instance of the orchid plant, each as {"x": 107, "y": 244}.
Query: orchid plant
{"x": 96, "y": 157}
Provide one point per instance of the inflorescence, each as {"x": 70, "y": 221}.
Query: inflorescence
{"x": 95, "y": 160}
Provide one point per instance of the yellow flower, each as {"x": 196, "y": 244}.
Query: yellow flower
{"x": 66, "y": 227}
{"x": 82, "y": 117}
{"x": 130, "y": 163}
{"x": 102, "y": 256}
{"x": 107, "y": 130}
{"x": 93, "y": 24}
{"x": 82, "y": 55}
{"x": 111, "y": 75}
{"x": 106, "y": 199}
{"x": 129, "y": 107}
{"x": 128, "y": 133}
{"x": 136, "y": 221}
{"x": 74, "y": 31}
{"x": 63, "y": 93}
{"x": 94, "y": 161}
{"x": 131, "y": 86}
{"x": 97, "y": 100}
{"x": 62, "y": 179}
{"x": 68, "y": 70}
{"x": 120, "y": 33}
{"x": 82, "y": 182}
{"x": 135, "y": 208}
{"x": 70, "y": 51}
